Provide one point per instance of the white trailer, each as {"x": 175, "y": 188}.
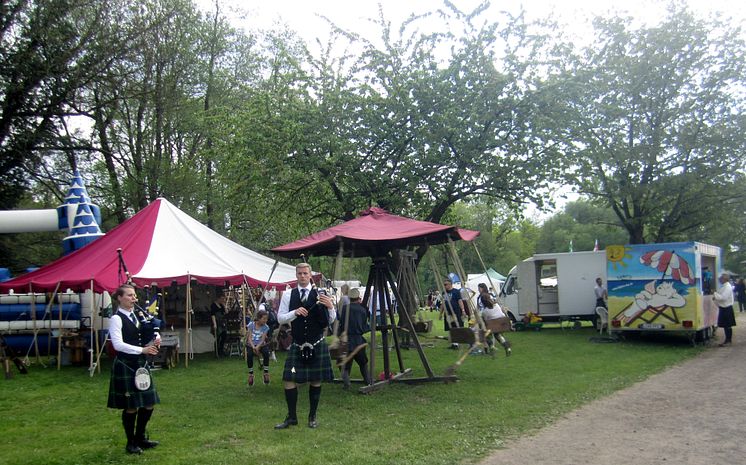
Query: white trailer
{"x": 555, "y": 286}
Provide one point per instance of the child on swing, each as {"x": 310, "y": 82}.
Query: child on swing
{"x": 258, "y": 344}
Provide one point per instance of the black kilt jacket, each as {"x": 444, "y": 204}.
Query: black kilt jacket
{"x": 122, "y": 391}
{"x": 308, "y": 329}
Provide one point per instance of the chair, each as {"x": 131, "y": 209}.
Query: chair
{"x": 602, "y": 320}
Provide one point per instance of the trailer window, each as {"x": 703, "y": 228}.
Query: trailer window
{"x": 510, "y": 285}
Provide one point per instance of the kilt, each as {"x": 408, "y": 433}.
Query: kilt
{"x": 319, "y": 368}
{"x": 726, "y": 317}
{"x": 122, "y": 391}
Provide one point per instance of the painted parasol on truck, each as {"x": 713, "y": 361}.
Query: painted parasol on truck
{"x": 670, "y": 264}
{"x": 658, "y": 297}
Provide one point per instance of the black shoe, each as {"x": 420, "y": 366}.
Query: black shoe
{"x": 287, "y": 423}
{"x": 312, "y": 423}
{"x": 133, "y": 449}
{"x": 147, "y": 444}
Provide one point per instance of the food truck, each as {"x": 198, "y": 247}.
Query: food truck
{"x": 663, "y": 288}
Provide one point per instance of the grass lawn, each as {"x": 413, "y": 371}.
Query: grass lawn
{"x": 208, "y": 415}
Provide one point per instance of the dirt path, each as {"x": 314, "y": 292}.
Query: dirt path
{"x": 690, "y": 414}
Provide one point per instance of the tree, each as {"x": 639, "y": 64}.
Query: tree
{"x": 582, "y": 222}
{"x": 398, "y": 129}
{"x": 653, "y": 119}
{"x": 49, "y": 51}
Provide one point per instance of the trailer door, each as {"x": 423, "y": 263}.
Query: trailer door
{"x": 527, "y": 287}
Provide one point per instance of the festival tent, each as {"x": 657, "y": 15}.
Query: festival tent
{"x": 490, "y": 278}
{"x": 372, "y": 233}
{"x": 160, "y": 244}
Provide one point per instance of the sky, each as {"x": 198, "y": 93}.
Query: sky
{"x": 302, "y": 15}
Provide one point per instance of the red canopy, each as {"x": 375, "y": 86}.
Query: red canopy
{"x": 373, "y": 233}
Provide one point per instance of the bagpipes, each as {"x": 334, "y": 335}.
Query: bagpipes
{"x": 150, "y": 325}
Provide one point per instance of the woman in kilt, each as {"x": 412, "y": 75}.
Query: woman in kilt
{"x": 126, "y": 333}
{"x": 309, "y": 312}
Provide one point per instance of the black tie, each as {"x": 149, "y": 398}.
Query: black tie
{"x": 303, "y": 295}
{"x": 134, "y": 320}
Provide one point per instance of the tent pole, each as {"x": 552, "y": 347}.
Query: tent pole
{"x": 99, "y": 348}
{"x": 48, "y": 309}
{"x": 335, "y": 277}
{"x": 244, "y": 330}
{"x": 94, "y": 332}
{"x": 187, "y": 321}
{"x": 59, "y": 336}
{"x": 33, "y": 318}
{"x": 369, "y": 302}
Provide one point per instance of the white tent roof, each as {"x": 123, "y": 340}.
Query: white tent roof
{"x": 182, "y": 245}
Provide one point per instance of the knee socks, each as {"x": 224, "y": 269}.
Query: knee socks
{"x": 291, "y": 397}
{"x": 314, "y": 395}
{"x": 128, "y": 422}
{"x": 143, "y": 417}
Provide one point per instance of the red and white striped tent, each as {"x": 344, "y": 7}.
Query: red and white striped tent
{"x": 160, "y": 244}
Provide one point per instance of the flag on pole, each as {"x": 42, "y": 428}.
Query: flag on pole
{"x": 570, "y": 245}
{"x": 595, "y": 246}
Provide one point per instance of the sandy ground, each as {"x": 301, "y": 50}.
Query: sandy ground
{"x": 692, "y": 414}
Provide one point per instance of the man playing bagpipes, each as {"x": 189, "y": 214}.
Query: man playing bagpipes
{"x": 130, "y": 387}
{"x": 309, "y": 312}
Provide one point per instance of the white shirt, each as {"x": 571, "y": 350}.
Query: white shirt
{"x": 600, "y": 291}
{"x": 724, "y": 296}
{"x": 285, "y": 315}
{"x": 492, "y": 313}
{"x": 115, "y": 334}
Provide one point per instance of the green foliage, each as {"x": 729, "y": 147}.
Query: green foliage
{"x": 49, "y": 51}
{"x": 208, "y": 415}
{"x": 583, "y": 223}
{"x": 653, "y": 119}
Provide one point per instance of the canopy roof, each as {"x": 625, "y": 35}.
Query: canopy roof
{"x": 160, "y": 244}
{"x": 374, "y": 233}
{"x": 492, "y": 274}
{"x": 490, "y": 278}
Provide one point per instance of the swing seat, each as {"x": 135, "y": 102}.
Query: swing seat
{"x": 341, "y": 361}
{"x": 462, "y": 336}
{"x": 499, "y": 325}
{"x": 337, "y": 353}
{"x": 423, "y": 327}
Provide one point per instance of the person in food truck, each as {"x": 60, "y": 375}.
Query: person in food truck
{"x": 724, "y": 299}
{"x": 601, "y": 293}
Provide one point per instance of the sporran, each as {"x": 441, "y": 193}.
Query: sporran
{"x": 142, "y": 379}
{"x": 306, "y": 351}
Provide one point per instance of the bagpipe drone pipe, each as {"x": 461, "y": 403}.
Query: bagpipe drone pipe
{"x": 150, "y": 324}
